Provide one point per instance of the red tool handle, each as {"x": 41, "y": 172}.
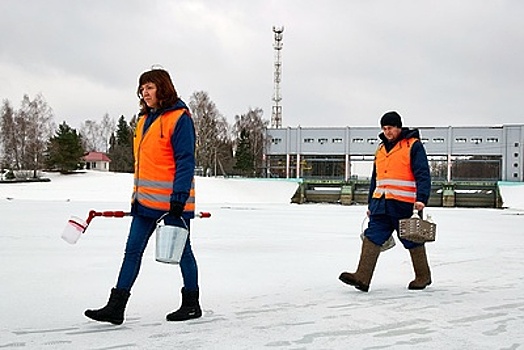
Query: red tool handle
{"x": 112, "y": 214}
{"x": 115, "y": 214}
{"x": 121, "y": 214}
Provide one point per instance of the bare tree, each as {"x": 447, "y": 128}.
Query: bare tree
{"x": 21, "y": 134}
{"x": 40, "y": 129}
{"x": 7, "y": 135}
{"x": 252, "y": 126}
{"x": 107, "y": 128}
{"x": 96, "y": 136}
{"x": 92, "y": 139}
{"x": 213, "y": 145}
{"x": 25, "y": 133}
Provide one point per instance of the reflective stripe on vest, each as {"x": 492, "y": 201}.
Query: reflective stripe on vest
{"x": 395, "y": 180}
{"x": 155, "y": 166}
{"x": 151, "y": 193}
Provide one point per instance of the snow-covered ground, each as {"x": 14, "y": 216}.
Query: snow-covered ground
{"x": 268, "y": 274}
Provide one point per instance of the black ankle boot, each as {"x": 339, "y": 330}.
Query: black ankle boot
{"x": 113, "y": 312}
{"x": 189, "y": 309}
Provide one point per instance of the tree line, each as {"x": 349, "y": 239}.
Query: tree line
{"x": 30, "y": 141}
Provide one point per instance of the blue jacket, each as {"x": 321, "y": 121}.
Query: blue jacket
{"x": 420, "y": 169}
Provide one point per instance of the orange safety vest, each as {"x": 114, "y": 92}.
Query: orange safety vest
{"x": 394, "y": 178}
{"x": 155, "y": 167}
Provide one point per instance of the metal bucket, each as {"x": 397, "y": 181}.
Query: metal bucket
{"x": 74, "y": 229}
{"x": 390, "y": 243}
{"x": 170, "y": 242}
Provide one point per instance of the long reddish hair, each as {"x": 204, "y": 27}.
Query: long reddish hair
{"x": 165, "y": 89}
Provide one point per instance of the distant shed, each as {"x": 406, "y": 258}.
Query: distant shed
{"x": 97, "y": 161}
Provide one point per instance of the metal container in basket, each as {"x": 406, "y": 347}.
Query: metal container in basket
{"x": 417, "y": 230}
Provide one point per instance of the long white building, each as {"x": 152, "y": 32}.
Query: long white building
{"x": 328, "y": 153}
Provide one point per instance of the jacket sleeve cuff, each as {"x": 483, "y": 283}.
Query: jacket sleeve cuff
{"x": 422, "y": 199}
{"x": 179, "y": 197}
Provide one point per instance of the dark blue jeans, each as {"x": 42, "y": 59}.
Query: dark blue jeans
{"x": 141, "y": 229}
{"x": 381, "y": 227}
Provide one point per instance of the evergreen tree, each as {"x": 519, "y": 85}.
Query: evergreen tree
{"x": 244, "y": 160}
{"x": 124, "y": 134}
{"x": 65, "y": 150}
{"x": 121, "y": 148}
{"x": 255, "y": 128}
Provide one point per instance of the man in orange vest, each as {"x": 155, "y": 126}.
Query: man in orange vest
{"x": 400, "y": 182}
{"x": 164, "y": 151}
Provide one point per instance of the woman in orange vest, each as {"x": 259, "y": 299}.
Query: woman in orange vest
{"x": 400, "y": 182}
{"x": 164, "y": 151}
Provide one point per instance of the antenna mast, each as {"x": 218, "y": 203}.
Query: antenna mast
{"x": 276, "y": 116}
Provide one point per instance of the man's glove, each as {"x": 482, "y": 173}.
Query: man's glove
{"x": 176, "y": 208}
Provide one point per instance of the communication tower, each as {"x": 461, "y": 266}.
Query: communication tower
{"x": 276, "y": 115}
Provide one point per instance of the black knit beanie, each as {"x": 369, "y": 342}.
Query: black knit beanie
{"x": 391, "y": 119}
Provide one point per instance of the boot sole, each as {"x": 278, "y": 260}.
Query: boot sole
{"x": 410, "y": 287}
{"x": 354, "y": 283}
{"x": 190, "y": 317}
{"x": 99, "y": 319}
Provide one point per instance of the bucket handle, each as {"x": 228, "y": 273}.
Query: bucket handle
{"x": 167, "y": 213}
{"x": 202, "y": 214}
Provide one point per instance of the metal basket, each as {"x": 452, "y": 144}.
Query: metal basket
{"x": 417, "y": 230}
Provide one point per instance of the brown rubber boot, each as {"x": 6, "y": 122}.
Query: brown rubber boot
{"x": 368, "y": 260}
{"x": 421, "y": 268}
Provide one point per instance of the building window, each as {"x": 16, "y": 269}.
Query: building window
{"x": 492, "y": 140}
{"x": 515, "y": 165}
{"x": 276, "y": 141}
{"x": 460, "y": 140}
{"x": 372, "y": 141}
{"x": 516, "y": 155}
{"x": 515, "y": 175}
{"x": 308, "y": 140}
{"x": 337, "y": 140}
{"x": 438, "y": 140}
{"x": 357, "y": 140}
{"x": 516, "y": 144}
{"x": 476, "y": 140}
{"x": 322, "y": 141}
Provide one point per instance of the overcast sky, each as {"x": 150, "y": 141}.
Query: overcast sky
{"x": 344, "y": 63}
